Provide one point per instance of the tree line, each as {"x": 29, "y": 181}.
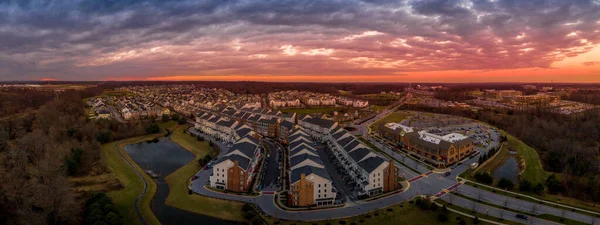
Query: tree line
{"x": 40, "y": 151}
{"x": 567, "y": 144}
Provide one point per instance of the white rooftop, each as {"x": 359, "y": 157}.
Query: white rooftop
{"x": 395, "y": 126}
{"x": 433, "y": 138}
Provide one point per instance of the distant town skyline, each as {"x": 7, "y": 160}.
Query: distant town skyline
{"x": 302, "y": 41}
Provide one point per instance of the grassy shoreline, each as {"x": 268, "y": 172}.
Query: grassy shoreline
{"x": 124, "y": 199}
{"x": 178, "y": 182}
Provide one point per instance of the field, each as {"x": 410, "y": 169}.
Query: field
{"x": 124, "y": 199}
{"x": 112, "y": 93}
{"x": 310, "y": 110}
{"x": 393, "y": 117}
{"x": 179, "y": 180}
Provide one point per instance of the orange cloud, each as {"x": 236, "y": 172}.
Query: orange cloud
{"x": 48, "y": 79}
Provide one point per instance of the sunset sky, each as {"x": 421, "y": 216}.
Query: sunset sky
{"x": 296, "y": 40}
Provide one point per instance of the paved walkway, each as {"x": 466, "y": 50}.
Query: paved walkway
{"x": 136, "y": 204}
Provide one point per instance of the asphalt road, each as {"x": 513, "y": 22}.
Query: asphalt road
{"x": 344, "y": 191}
{"x": 426, "y": 183}
{"x": 269, "y": 181}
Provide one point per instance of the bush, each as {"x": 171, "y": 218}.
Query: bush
{"x": 554, "y": 184}
{"x": 246, "y": 207}
{"x": 256, "y": 221}
{"x": 104, "y": 137}
{"x": 525, "y": 185}
{"x": 72, "y": 161}
{"x": 433, "y": 207}
{"x": 165, "y": 118}
{"x": 538, "y": 189}
{"x": 199, "y": 138}
{"x": 462, "y": 222}
{"x": 248, "y": 215}
{"x": 181, "y": 121}
{"x": 152, "y": 128}
{"x": 476, "y": 220}
{"x": 505, "y": 183}
{"x": 423, "y": 204}
{"x": 175, "y": 117}
{"x": 442, "y": 217}
{"x": 100, "y": 210}
{"x": 484, "y": 177}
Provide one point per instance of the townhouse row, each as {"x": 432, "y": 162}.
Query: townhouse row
{"x": 309, "y": 182}
{"x": 371, "y": 173}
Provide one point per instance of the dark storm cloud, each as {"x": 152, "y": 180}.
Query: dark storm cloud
{"x": 158, "y": 38}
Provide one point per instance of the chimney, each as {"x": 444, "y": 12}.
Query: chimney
{"x": 302, "y": 176}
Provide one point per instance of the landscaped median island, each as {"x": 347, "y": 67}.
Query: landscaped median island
{"x": 179, "y": 180}
{"x": 403, "y": 213}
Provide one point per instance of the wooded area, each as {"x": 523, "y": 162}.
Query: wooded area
{"x": 569, "y": 145}
{"x": 38, "y": 153}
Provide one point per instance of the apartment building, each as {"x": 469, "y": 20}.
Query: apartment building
{"x": 316, "y": 127}
{"x": 309, "y": 182}
{"x": 237, "y": 169}
{"x": 437, "y": 149}
{"x": 372, "y": 173}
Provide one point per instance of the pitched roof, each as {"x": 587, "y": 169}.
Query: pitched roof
{"x": 303, "y": 157}
{"x": 287, "y": 124}
{"x": 308, "y": 170}
{"x": 245, "y": 148}
{"x": 371, "y": 163}
{"x": 242, "y": 161}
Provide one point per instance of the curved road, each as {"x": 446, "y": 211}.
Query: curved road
{"x": 427, "y": 183}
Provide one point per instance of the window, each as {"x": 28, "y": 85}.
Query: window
{"x": 241, "y": 178}
{"x": 325, "y": 196}
{"x": 319, "y": 196}
{"x": 325, "y": 185}
{"x": 241, "y": 172}
{"x": 223, "y": 175}
{"x": 319, "y": 191}
{"x": 319, "y": 185}
{"x": 241, "y": 183}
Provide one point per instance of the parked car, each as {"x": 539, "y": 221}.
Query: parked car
{"x": 447, "y": 174}
{"x": 521, "y": 216}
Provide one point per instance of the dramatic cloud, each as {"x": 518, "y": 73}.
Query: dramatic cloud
{"x": 96, "y": 40}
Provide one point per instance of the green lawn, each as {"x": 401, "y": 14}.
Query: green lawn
{"x": 124, "y": 199}
{"x": 179, "y": 180}
{"x": 480, "y": 215}
{"x": 392, "y": 117}
{"x": 500, "y": 159}
{"x": 408, "y": 214}
{"x": 534, "y": 171}
{"x": 311, "y": 110}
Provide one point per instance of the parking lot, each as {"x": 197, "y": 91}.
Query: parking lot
{"x": 271, "y": 173}
{"x": 344, "y": 189}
